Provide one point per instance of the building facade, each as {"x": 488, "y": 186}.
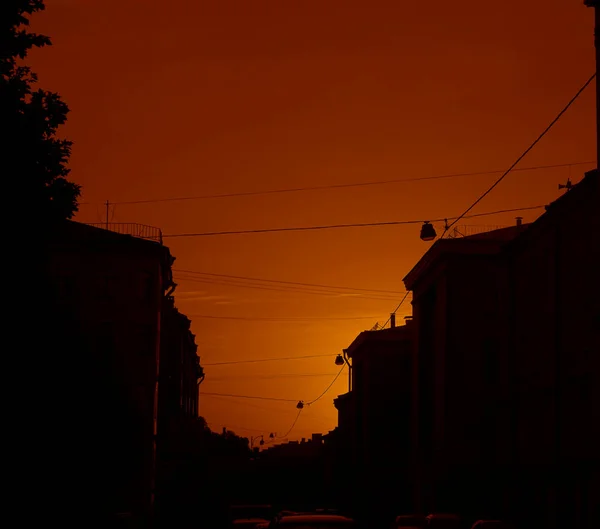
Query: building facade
{"x": 373, "y": 421}
{"x": 505, "y": 379}
{"x": 554, "y": 332}
{"x": 180, "y": 431}
{"x": 108, "y": 296}
{"x": 458, "y": 289}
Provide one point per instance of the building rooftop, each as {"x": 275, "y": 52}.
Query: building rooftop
{"x": 493, "y": 242}
{"x": 487, "y": 243}
{"x": 390, "y": 334}
{"x": 88, "y": 234}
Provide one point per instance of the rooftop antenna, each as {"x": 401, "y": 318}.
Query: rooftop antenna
{"x": 566, "y": 186}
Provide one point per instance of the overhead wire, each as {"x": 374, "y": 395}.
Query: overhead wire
{"x": 248, "y": 397}
{"x": 395, "y": 310}
{"x": 249, "y": 404}
{"x": 279, "y": 288}
{"x": 288, "y": 282}
{"x": 269, "y": 376}
{"x": 292, "y": 426}
{"x": 281, "y": 319}
{"x": 338, "y": 186}
{"x": 525, "y": 152}
{"x": 340, "y": 226}
{"x": 232, "y": 362}
{"x": 328, "y": 387}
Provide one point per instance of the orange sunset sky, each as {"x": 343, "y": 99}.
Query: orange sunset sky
{"x": 187, "y": 98}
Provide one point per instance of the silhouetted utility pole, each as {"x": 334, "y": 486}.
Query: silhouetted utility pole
{"x": 596, "y": 5}
{"x": 107, "y": 206}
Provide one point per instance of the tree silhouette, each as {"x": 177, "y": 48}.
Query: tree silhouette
{"x": 32, "y": 157}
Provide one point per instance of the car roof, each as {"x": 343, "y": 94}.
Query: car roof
{"x": 316, "y": 518}
{"x": 410, "y": 517}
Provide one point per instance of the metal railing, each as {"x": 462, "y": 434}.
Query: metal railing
{"x": 140, "y": 231}
{"x": 474, "y": 229}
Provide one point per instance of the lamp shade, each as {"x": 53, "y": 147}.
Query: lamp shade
{"x": 427, "y": 232}
{"x": 339, "y": 361}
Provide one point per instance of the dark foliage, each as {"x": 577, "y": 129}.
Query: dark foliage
{"x": 32, "y": 158}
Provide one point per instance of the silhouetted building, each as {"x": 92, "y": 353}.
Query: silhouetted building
{"x": 108, "y": 298}
{"x": 374, "y": 420}
{"x": 341, "y": 446}
{"x": 554, "y": 346}
{"x": 179, "y": 431}
{"x": 506, "y": 322}
{"x": 457, "y": 289}
{"x": 293, "y": 474}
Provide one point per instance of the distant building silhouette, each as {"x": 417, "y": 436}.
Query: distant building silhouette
{"x": 373, "y": 436}
{"x": 506, "y": 322}
{"x": 292, "y": 474}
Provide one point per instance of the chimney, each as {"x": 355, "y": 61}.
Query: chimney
{"x": 519, "y": 221}
{"x": 392, "y": 320}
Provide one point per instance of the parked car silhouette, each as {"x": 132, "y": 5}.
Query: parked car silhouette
{"x": 491, "y": 524}
{"x": 412, "y": 521}
{"x": 443, "y": 521}
{"x": 315, "y": 521}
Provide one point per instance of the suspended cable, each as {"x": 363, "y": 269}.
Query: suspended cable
{"x": 328, "y": 387}
{"x": 338, "y": 226}
{"x": 268, "y": 376}
{"x": 545, "y": 131}
{"x": 247, "y": 397}
{"x": 279, "y": 288}
{"x": 282, "y": 319}
{"x": 232, "y": 362}
{"x": 395, "y": 310}
{"x": 293, "y": 424}
{"x": 339, "y": 186}
{"x": 248, "y": 403}
{"x": 288, "y": 282}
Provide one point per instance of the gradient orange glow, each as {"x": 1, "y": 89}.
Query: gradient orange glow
{"x": 186, "y": 98}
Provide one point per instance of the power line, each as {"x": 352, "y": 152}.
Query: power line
{"x": 300, "y": 407}
{"x": 232, "y": 362}
{"x": 545, "y": 131}
{"x": 249, "y": 404}
{"x": 289, "y": 282}
{"x": 337, "y": 226}
{"x": 273, "y": 376}
{"x": 292, "y": 426}
{"x": 338, "y": 186}
{"x": 288, "y": 320}
{"x": 279, "y": 288}
{"x": 328, "y": 387}
{"x": 247, "y": 397}
{"x": 395, "y": 310}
